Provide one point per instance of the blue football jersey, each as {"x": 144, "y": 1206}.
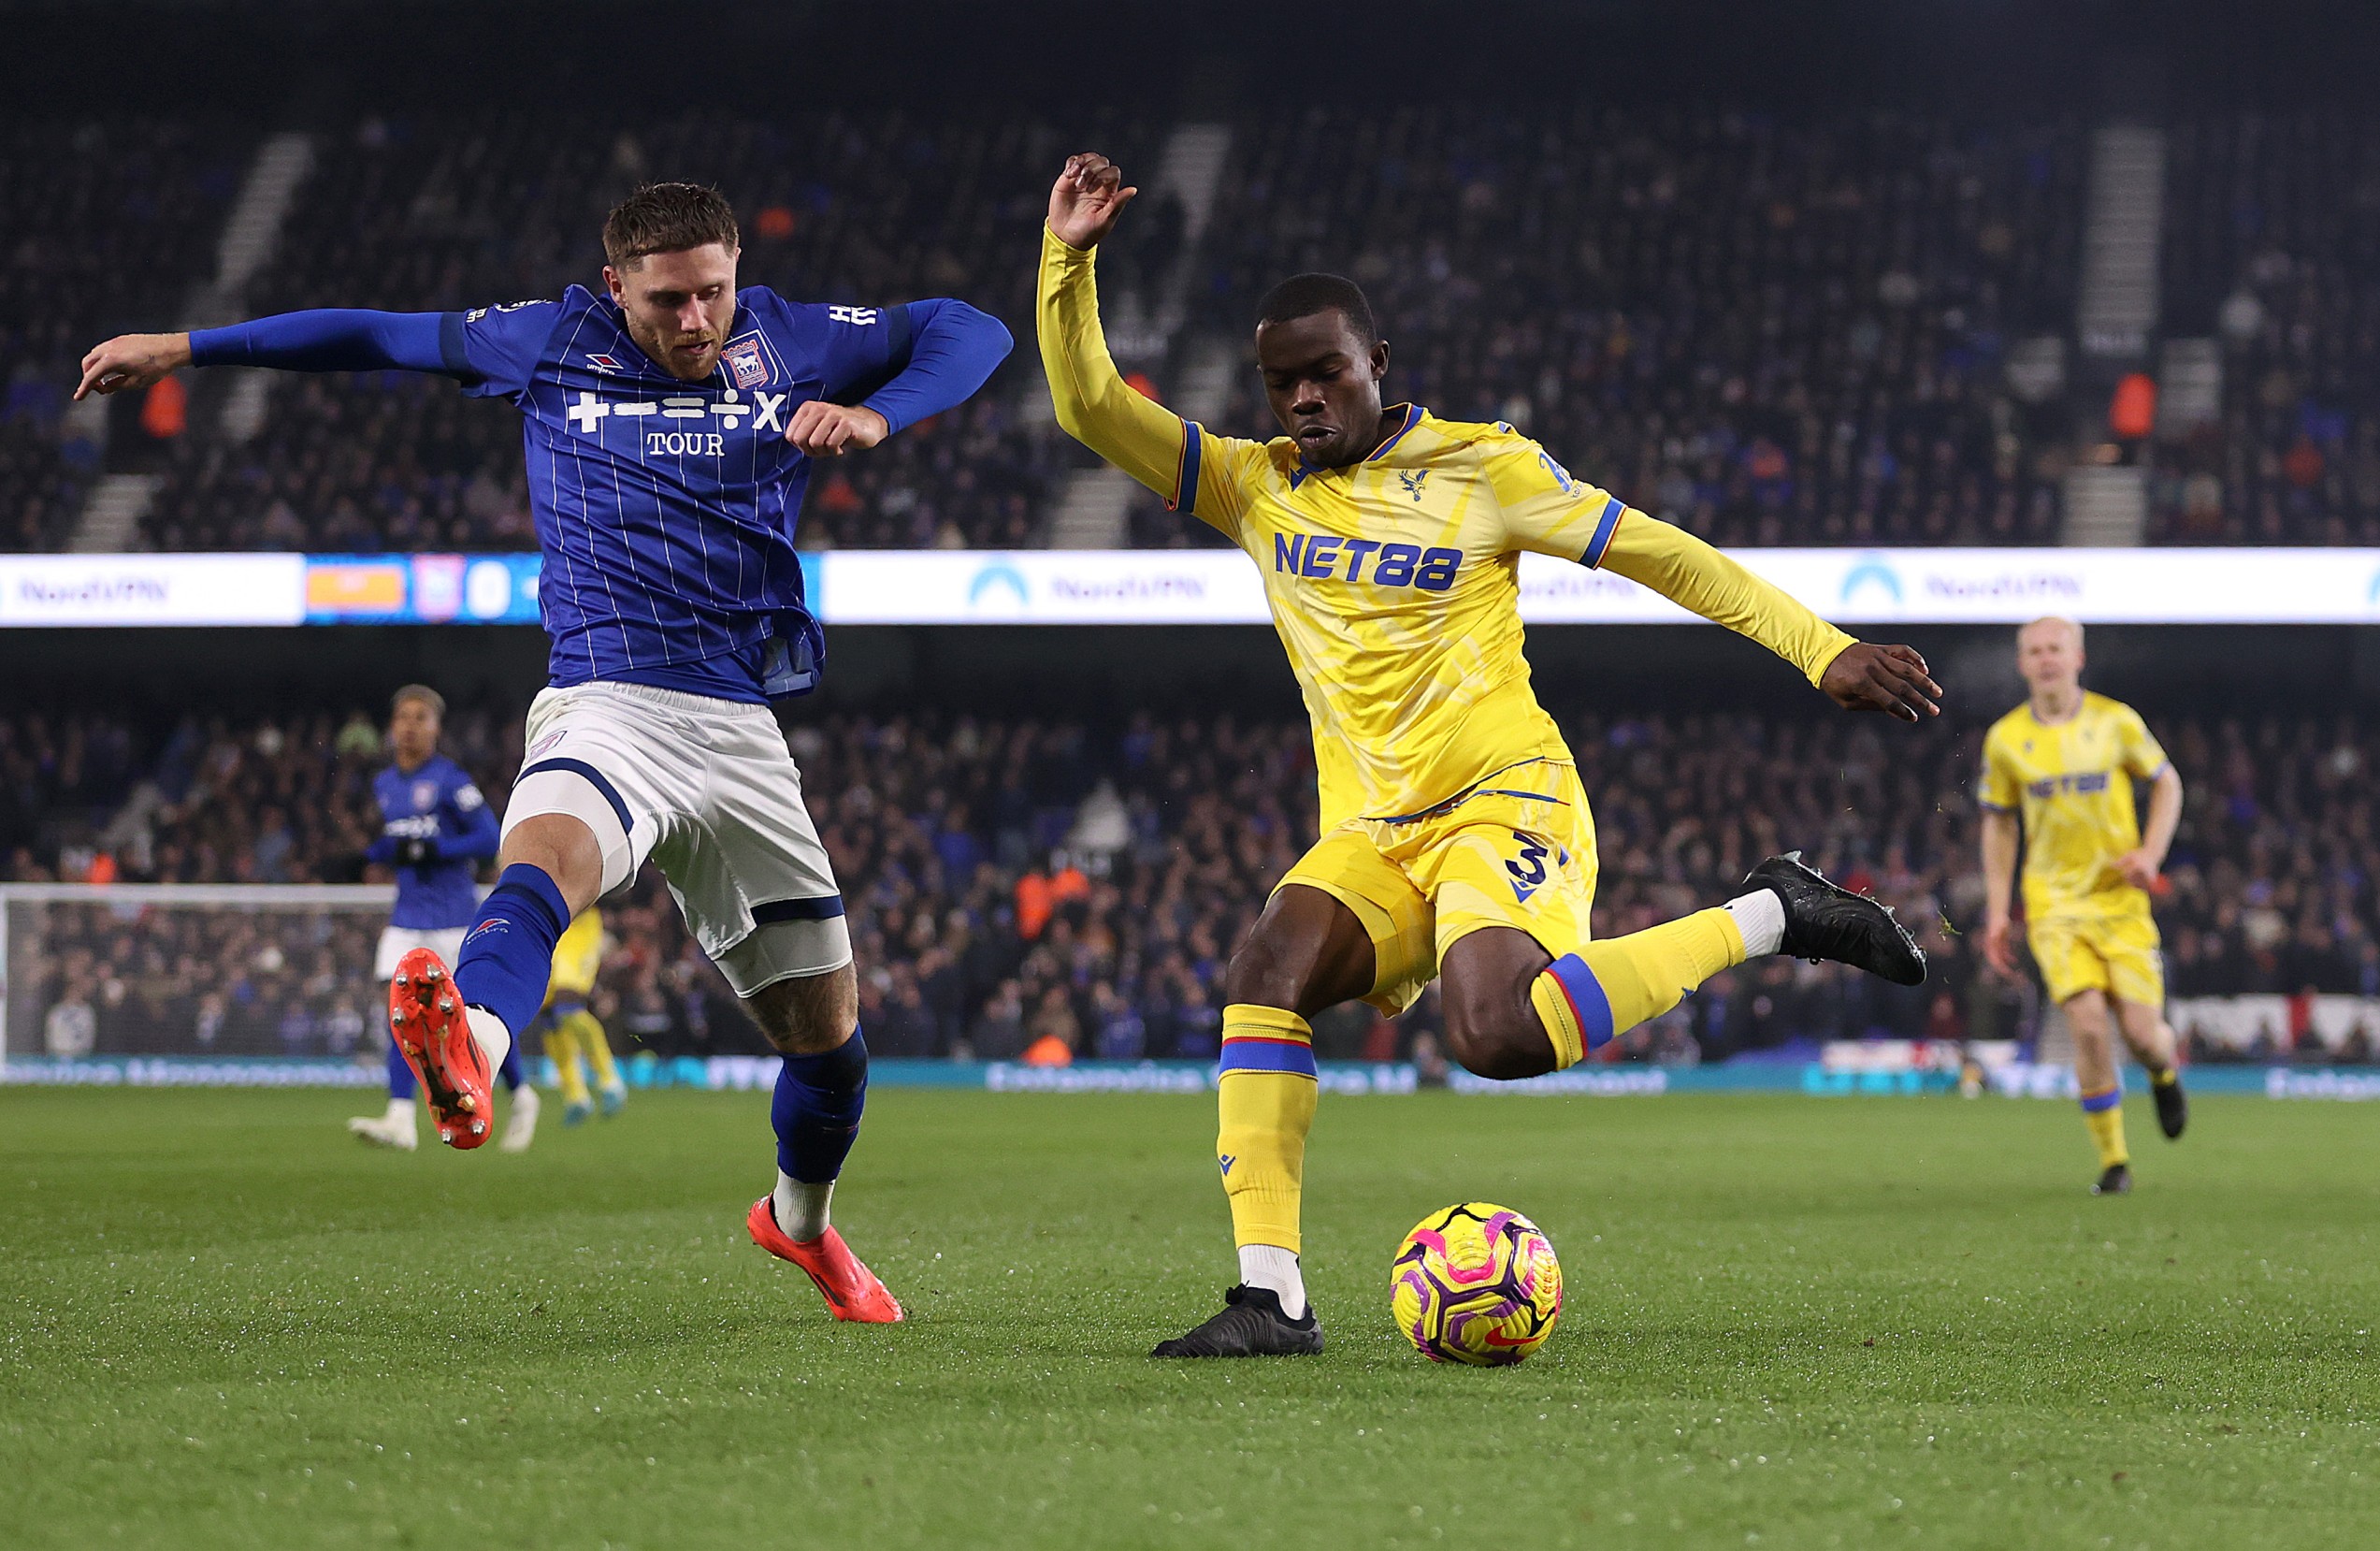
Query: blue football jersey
{"x": 434, "y": 801}
{"x": 666, "y": 509}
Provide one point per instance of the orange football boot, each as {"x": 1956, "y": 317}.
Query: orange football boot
{"x": 851, "y": 1290}
{"x": 434, "y": 1034}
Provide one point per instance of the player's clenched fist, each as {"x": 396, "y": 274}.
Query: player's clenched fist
{"x": 1087, "y": 199}
{"x": 131, "y": 361}
{"x": 830, "y": 430}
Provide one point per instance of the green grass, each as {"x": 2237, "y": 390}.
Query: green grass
{"x": 1813, "y": 1322}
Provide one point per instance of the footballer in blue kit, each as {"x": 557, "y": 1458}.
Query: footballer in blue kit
{"x": 434, "y": 831}
{"x": 669, "y": 425}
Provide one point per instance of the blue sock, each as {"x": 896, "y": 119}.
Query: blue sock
{"x": 817, "y": 1110}
{"x": 510, "y": 1070}
{"x": 510, "y": 955}
{"x": 400, "y": 1076}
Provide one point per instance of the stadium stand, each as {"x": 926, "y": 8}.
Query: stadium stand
{"x": 1015, "y": 879}
{"x": 136, "y": 201}
{"x": 2273, "y": 235}
{"x": 1770, "y": 334}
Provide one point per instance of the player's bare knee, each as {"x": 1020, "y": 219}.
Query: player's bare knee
{"x": 565, "y": 850}
{"x": 1261, "y": 975}
{"x": 1495, "y": 1033}
{"x": 809, "y": 1014}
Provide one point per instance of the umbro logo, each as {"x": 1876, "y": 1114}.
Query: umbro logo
{"x": 608, "y": 365}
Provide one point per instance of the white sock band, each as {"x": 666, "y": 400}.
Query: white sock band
{"x": 1761, "y": 918}
{"x": 1270, "y": 1266}
{"x": 801, "y": 1209}
{"x": 495, "y": 1039}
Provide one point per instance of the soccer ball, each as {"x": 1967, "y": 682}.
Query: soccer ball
{"x": 1476, "y": 1283}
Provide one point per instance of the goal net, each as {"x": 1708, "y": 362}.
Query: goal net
{"x": 90, "y": 975}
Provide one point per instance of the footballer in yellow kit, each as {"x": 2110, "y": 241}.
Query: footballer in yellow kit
{"x": 2063, "y": 764}
{"x": 1456, "y": 842}
{"x": 571, "y": 1030}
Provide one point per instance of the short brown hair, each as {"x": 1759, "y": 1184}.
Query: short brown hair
{"x": 423, "y": 692}
{"x": 668, "y": 218}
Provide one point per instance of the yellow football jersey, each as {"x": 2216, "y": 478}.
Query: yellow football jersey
{"x": 578, "y": 957}
{"x": 1395, "y": 582}
{"x": 2074, "y": 785}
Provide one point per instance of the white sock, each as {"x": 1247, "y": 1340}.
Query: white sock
{"x": 801, "y": 1209}
{"x": 1270, "y": 1266}
{"x": 400, "y": 1113}
{"x": 1760, "y": 916}
{"x": 495, "y": 1039}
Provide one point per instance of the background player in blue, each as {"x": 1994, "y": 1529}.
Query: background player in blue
{"x": 669, "y": 425}
{"x": 434, "y": 830}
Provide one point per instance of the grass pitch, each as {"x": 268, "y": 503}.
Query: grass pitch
{"x": 1790, "y": 1322}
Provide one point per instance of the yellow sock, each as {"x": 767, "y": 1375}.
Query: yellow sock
{"x": 595, "y": 1045}
{"x": 2165, "y": 1077}
{"x": 2103, "y": 1113}
{"x": 561, "y": 1043}
{"x": 1608, "y": 988}
{"x": 1265, "y": 1101}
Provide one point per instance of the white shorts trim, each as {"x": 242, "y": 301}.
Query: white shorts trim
{"x": 397, "y": 941}
{"x": 786, "y": 951}
{"x": 707, "y": 790}
{"x": 557, "y": 790}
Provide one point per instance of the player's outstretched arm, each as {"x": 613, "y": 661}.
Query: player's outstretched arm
{"x": 1855, "y": 674}
{"x": 322, "y": 340}
{"x": 1094, "y": 404}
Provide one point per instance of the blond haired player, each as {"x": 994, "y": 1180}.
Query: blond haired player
{"x": 1456, "y": 842}
{"x": 2066, "y": 759}
{"x": 570, "y": 1027}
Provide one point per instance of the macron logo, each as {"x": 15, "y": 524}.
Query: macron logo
{"x": 1227, "y": 1160}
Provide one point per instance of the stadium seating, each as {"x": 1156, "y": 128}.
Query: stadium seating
{"x": 1009, "y": 880}
{"x": 1772, "y": 334}
{"x": 2273, "y": 236}
{"x": 107, "y": 228}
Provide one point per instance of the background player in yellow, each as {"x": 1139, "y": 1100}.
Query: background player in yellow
{"x": 572, "y": 1030}
{"x": 2067, "y": 760}
{"x": 1456, "y": 841}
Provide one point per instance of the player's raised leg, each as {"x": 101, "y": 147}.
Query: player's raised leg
{"x": 1308, "y": 951}
{"x": 1514, "y": 1008}
{"x": 2102, "y": 1086}
{"x": 455, "y": 1025}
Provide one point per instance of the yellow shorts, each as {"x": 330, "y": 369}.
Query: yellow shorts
{"x": 1519, "y": 852}
{"x": 2113, "y": 953}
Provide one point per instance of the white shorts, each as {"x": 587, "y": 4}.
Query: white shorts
{"x": 707, "y": 790}
{"x": 397, "y": 941}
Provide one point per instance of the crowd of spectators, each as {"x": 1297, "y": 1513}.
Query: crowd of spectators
{"x": 2272, "y": 234}
{"x": 1771, "y": 333}
{"x": 1051, "y": 888}
{"x": 106, "y": 225}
